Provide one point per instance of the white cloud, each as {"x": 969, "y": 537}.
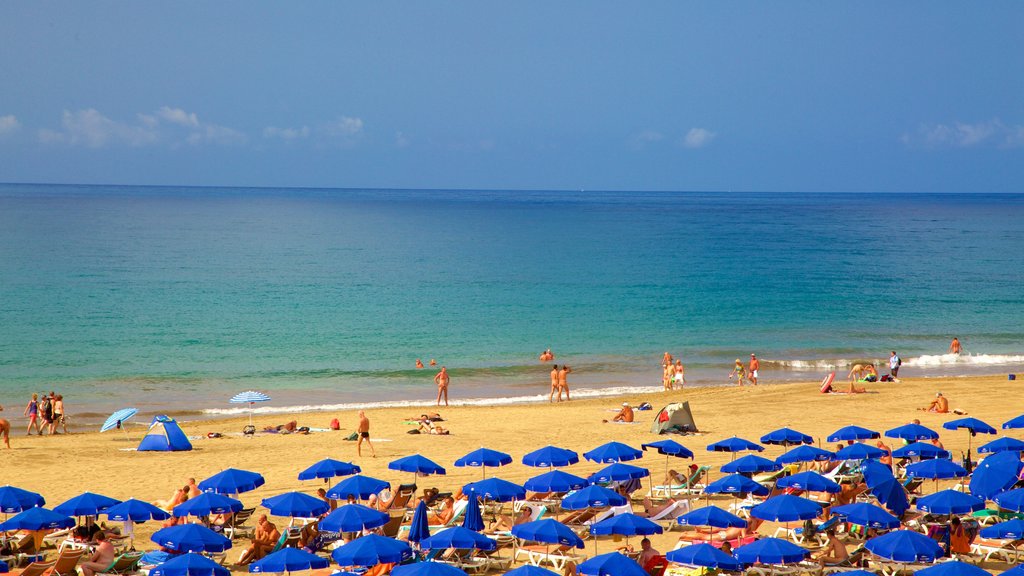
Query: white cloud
{"x": 171, "y": 126}
{"x": 698, "y": 138}
{"x": 9, "y": 124}
{"x": 344, "y": 127}
{"x": 178, "y": 116}
{"x": 286, "y": 134}
{"x": 965, "y": 135}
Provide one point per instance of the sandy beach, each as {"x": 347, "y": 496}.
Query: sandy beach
{"x": 64, "y": 466}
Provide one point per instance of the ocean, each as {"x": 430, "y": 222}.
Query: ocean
{"x": 174, "y": 299}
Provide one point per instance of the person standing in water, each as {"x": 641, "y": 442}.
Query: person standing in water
{"x": 554, "y": 385}
{"x": 442, "y": 380}
{"x": 954, "y": 346}
{"x": 563, "y": 382}
{"x": 739, "y": 372}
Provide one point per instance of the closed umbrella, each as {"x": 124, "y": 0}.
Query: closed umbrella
{"x": 190, "y": 565}
{"x": 329, "y": 468}
{"x": 419, "y": 527}
{"x": 288, "y": 560}
{"x": 249, "y": 397}
{"x": 551, "y": 456}
{"x": 852, "y": 433}
{"x": 483, "y": 458}
{"x": 472, "y": 519}
{"x": 704, "y": 555}
{"x": 371, "y": 550}
{"x": 613, "y": 452}
{"x": 232, "y": 481}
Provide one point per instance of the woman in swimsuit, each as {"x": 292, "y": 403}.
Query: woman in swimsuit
{"x": 58, "y": 415}
{"x": 739, "y": 372}
{"x": 32, "y": 411}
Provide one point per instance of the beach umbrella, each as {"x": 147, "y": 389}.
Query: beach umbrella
{"x": 190, "y": 565}
{"x": 361, "y": 487}
{"x": 996, "y": 473}
{"x": 5, "y": 569}
{"x": 891, "y": 494}
{"x": 953, "y": 568}
{"x": 117, "y": 420}
{"x": 852, "y": 433}
{"x": 484, "y": 457}
{"x": 751, "y": 464}
{"x": 704, "y": 555}
{"x": 472, "y": 519}
{"x": 770, "y": 551}
{"x": 875, "y": 472}
{"x": 1012, "y": 500}
{"x": 371, "y": 550}
{"x": 205, "y": 504}
{"x": 810, "y": 481}
{"x": 1002, "y": 445}
{"x": 36, "y": 519}
{"x": 249, "y": 397}
{"x": 232, "y": 481}
{"x": 904, "y": 546}
{"x": 859, "y": 451}
{"x": 428, "y": 568}
{"x": 625, "y": 525}
{"x": 133, "y": 510}
{"x": 735, "y": 445}
{"x": 419, "y": 527}
{"x": 85, "y": 504}
{"x": 592, "y": 497}
{"x": 867, "y": 515}
{"x": 912, "y": 432}
{"x": 786, "y": 437}
{"x": 530, "y": 570}
{"x": 460, "y": 538}
{"x": 496, "y": 489}
{"x": 288, "y": 560}
{"x": 353, "y": 518}
{"x": 670, "y": 448}
{"x": 711, "y": 516}
{"x": 1017, "y": 570}
{"x": 786, "y": 508}
{"x": 547, "y": 531}
{"x": 736, "y": 484}
{"x": 418, "y": 465}
{"x": 555, "y": 481}
{"x": 14, "y": 499}
{"x": 972, "y": 425}
{"x": 935, "y": 469}
{"x": 1017, "y": 422}
{"x": 611, "y": 564}
{"x": 191, "y": 538}
{"x": 949, "y": 502}
{"x": 329, "y": 468}
{"x": 1009, "y": 530}
{"x": 922, "y": 450}
{"x": 805, "y": 454}
{"x": 551, "y": 456}
{"x": 618, "y": 472}
{"x": 295, "y": 505}
{"x": 613, "y": 452}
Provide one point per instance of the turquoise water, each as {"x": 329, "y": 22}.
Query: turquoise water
{"x": 176, "y": 298}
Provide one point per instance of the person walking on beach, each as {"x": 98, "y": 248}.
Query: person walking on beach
{"x": 894, "y": 365}
{"x": 954, "y": 346}
{"x": 563, "y": 382}
{"x": 754, "y": 365}
{"x": 45, "y": 413}
{"x": 667, "y": 376}
{"x": 58, "y": 415}
{"x": 554, "y": 385}
{"x": 442, "y": 379}
{"x": 363, "y": 428}
{"x": 5, "y": 430}
{"x": 739, "y": 372}
{"x": 678, "y": 375}
{"x": 32, "y": 411}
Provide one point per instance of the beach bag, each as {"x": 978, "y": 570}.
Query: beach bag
{"x": 335, "y": 425}
{"x": 249, "y": 430}
{"x": 353, "y": 436}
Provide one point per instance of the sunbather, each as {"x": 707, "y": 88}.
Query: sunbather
{"x": 444, "y": 515}
{"x": 623, "y": 415}
{"x": 723, "y": 535}
{"x": 505, "y": 522}
{"x": 180, "y": 495}
{"x": 263, "y": 541}
{"x": 101, "y": 558}
{"x": 939, "y": 405}
{"x": 428, "y": 426}
{"x": 651, "y": 510}
{"x": 834, "y": 552}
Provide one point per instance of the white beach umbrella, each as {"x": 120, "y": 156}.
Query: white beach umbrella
{"x": 249, "y": 397}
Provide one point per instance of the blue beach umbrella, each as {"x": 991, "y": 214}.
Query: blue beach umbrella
{"x": 416, "y": 464}
{"x": 14, "y": 499}
{"x": 736, "y": 484}
{"x": 496, "y": 489}
{"x": 472, "y": 519}
{"x": 770, "y": 551}
{"x": 712, "y": 516}
{"x": 613, "y": 452}
{"x": 371, "y": 550}
{"x": 1017, "y": 570}
{"x": 329, "y": 468}
{"x": 419, "y": 527}
{"x": 618, "y": 472}
{"x": 912, "y": 433}
{"x": 904, "y": 546}
{"x": 867, "y": 515}
{"x": 853, "y": 433}
{"x": 949, "y": 502}
{"x": 205, "y": 504}
{"x": 460, "y": 538}
{"x": 875, "y": 472}
{"x": 133, "y": 510}
{"x": 484, "y": 457}
{"x": 191, "y": 538}
{"x": 1017, "y": 422}
{"x": 953, "y": 568}
{"x": 859, "y": 451}
{"x": 353, "y": 518}
{"x": 972, "y": 425}
{"x": 669, "y": 447}
{"x": 786, "y": 437}
{"x": 704, "y": 555}
{"x": 592, "y": 497}
{"x": 428, "y": 568}
{"x": 5, "y": 569}
{"x": 625, "y": 525}
{"x": 805, "y": 454}
{"x": 530, "y": 570}
{"x": 547, "y": 531}
{"x": 551, "y": 456}
{"x": 751, "y": 464}
{"x": 288, "y": 560}
{"x": 295, "y": 505}
{"x": 611, "y": 564}
{"x": 117, "y": 420}
{"x": 786, "y": 508}
{"x": 190, "y": 565}
{"x": 1002, "y": 445}
{"x": 921, "y": 450}
{"x": 86, "y": 504}
{"x": 361, "y": 487}
{"x": 249, "y": 397}
{"x": 935, "y": 469}
{"x": 735, "y": 445}
{"x": 555, "y": 481}
{"x": 36, "y": 519}
{"x": 1009, "y": 530}
{"x": 810, "y": 481}
{"x": 891, "y": 494}
{"x": 232, "y": 481}
{"x": 1012, "y": 500}
{"x": 996, "y": 473}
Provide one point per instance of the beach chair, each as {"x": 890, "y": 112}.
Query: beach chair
{"x": 692, "y": 485}
{"x": 127, "y": 563}
{"x": 766, "y": 477}
{"x": 67, "y": 562}
{"x": 393, "y": 525}
{"x": 236, "y": 527}
{"x": 400, "y": 499}
{"x": 985, "y": 550}
{"x": 613, "y": 511}
{"x": 37, "y": 568}
{"x": 798, "y": 535}
{"x": 556, "y": 557}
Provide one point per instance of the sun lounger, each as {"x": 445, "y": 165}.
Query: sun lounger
{"x": 127, "y": 563}
{"x": 1001, "y": 549}
{"x": 67, "y": 562}
{"x": 37, "y": 568}
{"x": 236, "y": 527}
{"x": 555, "y": 556}
{"x": 693, "y": 485}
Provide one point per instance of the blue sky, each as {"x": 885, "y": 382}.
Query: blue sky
{"x": 866, "y": 96}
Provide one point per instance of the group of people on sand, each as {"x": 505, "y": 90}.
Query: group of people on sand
{"x": 672, "y": 373}
{"x": 43, "y": 416}
{"x": 559, "y": 383}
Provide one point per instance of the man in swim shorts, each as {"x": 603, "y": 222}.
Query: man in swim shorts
{"x": 363, "y": 428}
{"x": 754, "y": 365}
{"x": 442, "y": 380}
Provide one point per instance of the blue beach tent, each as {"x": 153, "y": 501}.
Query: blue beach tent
{"x": 164, "y": 435}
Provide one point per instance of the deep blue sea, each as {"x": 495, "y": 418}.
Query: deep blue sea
{"x": 173, "y": 299}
